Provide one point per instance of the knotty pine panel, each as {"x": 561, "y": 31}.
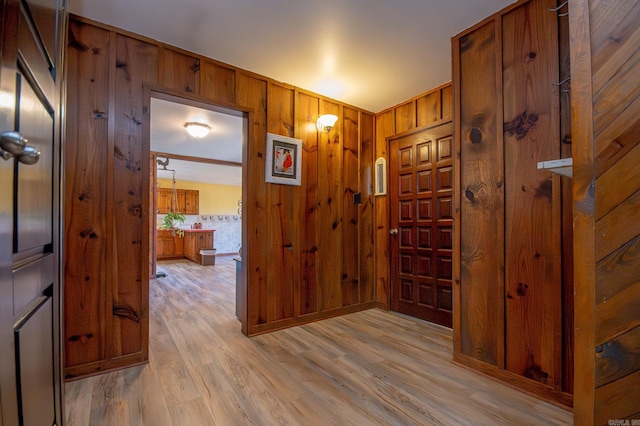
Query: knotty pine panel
{"x": 624, "y": 176}
{"x": 620, "y": 356}
{"x": 617, "y": 226}
{"x": 330, "y": 213}
{"x": 617, "y": 400}
{"x": 367, "y": 213}
{"x": 428, "y": 108}
{"x": 218, "y": 82}
{"x": 583, "y": 213}
{"x": 618, "y": 137}
{"x": 567, "y": 207}
{"x": 252, "y": 92}
{"x": 446, "y": 102}
{"x": 274, "y": 298}
{"x": 350, "y": 223}
{"x": 617, "y": 332}
{"x": 385, "y": 127}
{"x": 282, "y": 218}
{"x": 179, "y": 71}
{"x": 136, "y": 62}
{"x": 405, "y": 116}
{"x": 618, "y": 270}
{"x": 480, "y": 287}
{"x": 533, "y": 276}
{"x": 307, "y": 107}
{"x": 85, "y": 231}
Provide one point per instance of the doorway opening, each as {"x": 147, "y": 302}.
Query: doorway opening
{"x": 199, "y": 180}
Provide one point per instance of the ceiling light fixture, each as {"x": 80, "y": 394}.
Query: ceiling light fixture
{"x": 197, "y": 130}
{"x": 325, "y": 122}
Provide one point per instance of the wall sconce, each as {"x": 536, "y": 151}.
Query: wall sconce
{"x": 197, "y": 130}
{"x": 325, "y": 122}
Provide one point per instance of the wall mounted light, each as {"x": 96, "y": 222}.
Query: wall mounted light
{"x": 325, "y": 122}
{"x": 197, "y": 130}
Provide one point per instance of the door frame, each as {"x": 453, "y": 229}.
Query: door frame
{"x": 388, "y": 141}
{"x": 149, "y": 201}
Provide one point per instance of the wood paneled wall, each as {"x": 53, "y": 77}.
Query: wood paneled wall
{"x": 426, "y": 109}
{"x": 508, "y": 255}
{"x": 605, "y": 101}
{"x": 308, "y": 250}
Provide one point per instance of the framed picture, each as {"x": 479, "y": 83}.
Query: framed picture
{"x": 284, "y": 160}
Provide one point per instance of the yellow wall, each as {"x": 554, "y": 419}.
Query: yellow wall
{"x": 214, "y": 199}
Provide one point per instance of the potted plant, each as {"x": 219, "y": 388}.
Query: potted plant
{"x": 172, "y": 221}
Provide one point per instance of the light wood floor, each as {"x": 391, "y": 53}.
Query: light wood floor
{"x": 367, "y": 368}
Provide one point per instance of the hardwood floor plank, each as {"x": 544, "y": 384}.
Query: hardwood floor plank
{"x": 368, "y": 368}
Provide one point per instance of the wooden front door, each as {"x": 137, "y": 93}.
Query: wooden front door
{"x": 421, "y": 192}
{"x": 30, "y": 385}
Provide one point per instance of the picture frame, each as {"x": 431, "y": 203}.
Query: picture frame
{"x": 284, "y": 160}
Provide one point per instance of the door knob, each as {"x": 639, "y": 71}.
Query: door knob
{"x": 393, "y": 231}
{"x": 12, "y": 142}
{"x": 29, "y": 155}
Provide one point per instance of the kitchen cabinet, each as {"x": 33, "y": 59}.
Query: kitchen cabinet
{"x": 164, "y": 200}
{"x": 195, "y": 240}
{"x": 169, "y": 246}
{"x": 188, "y": 201}
{"x": 191, "y": 201}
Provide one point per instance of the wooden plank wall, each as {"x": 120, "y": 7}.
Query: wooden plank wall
{"x": 508, "y": 254}
{"x": 481, "y": 190}
{"x": 310, "y": 250}
{"x": 605, "y": 101}
{"x": 432, "y": 107}
{"x": 533, "y": 255}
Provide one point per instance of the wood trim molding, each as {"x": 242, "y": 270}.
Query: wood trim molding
{"x": 197, "y": 159}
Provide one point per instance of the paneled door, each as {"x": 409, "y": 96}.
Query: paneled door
{"x": 30, "y": 384}
{"x": 421, "y": 195}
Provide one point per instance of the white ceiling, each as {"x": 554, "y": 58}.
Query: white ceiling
{"x": 224, "y": 143}
{"x": 372, "y": 54}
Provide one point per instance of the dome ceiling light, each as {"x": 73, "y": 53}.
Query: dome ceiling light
{"x": 196, "y": 129}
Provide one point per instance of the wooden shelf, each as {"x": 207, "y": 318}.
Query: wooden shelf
{"x": 563, "y": 167}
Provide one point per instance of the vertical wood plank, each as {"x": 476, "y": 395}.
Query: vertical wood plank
{"x": 405, "y": 117}
{"x": 533, "y": 247}
{"x": 567, "y": 210}
{"x": 384, "y": 128}
{"x": 330, "y": 211}
{"x": 306, "y": 113}
{"x": 218, "y": 82}
{"x": 136, "y": 62}
{"x": 179, "y": 71}
{"x": 584, "y": 213}
{"x": 446, "y": 103}
{"x": 482, "y": 197}
{"x": 350, "y": 218}
{"x": 85, "y": 203}
{"x": 428, "y": 108}
{"x": 457, "y": 196}
{"x": 252, "y": 92}
{"x": 282, "y": 216}
{"x": 367, "y": 213}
